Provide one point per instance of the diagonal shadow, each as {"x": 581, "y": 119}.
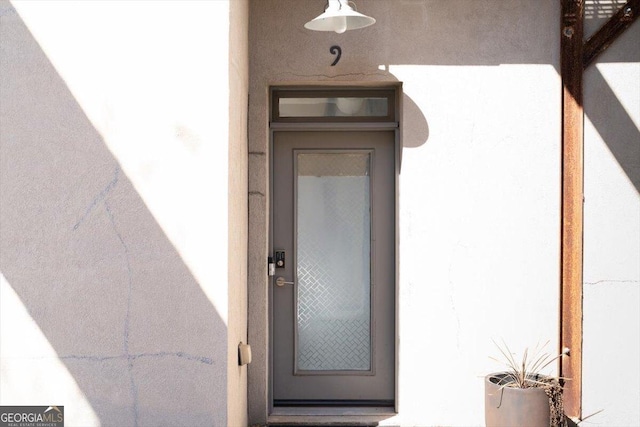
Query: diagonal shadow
{"x": 89, "y": 262}
{"x": 601, "y": 104}
{"x": 613, "y": 123}
{"x": 532, "y": 38}
{"x": 148, "y": 338}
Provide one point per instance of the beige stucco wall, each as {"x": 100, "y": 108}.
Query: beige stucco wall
{"x": 612, "y": 231}
{"x": 123, "y": 226}
{"x": 479, "y": 186}
{"x": 238, "y": 208}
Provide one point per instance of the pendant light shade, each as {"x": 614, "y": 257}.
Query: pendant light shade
{"x": 339, "y": 17}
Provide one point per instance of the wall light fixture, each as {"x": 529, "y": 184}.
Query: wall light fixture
{"x": 339, "y": 16}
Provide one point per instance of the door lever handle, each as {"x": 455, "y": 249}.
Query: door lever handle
{"x": 281, "y": 282}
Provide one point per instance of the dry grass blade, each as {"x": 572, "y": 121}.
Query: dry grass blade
{"x": 526, "y": 373}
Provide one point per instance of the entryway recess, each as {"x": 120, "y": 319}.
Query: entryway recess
{"x": 333, "y": 248}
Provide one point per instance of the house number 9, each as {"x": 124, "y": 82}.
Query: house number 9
{"x": 337, "y": 51}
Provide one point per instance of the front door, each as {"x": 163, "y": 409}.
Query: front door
{"x": 333, "y": 292}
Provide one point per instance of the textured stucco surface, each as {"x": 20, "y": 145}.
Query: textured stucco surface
{"x": 123, "y": 228}
{"x": 478, "y": 188}
{"x": 612, "y": 233}
{"x": 123, "y": 200}
{"x": 238, "y": 208}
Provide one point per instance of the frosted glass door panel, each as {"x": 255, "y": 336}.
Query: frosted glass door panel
{"x": 333, "y": 208}
{"x": 332, "y": 335}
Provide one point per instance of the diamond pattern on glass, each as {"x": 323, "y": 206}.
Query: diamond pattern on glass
{"x": 333, "y": 257}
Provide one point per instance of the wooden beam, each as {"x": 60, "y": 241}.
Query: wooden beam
{"x": 571, "y": 46}
{"x": 608, "y": 33}
{"x": 576, "y": 55}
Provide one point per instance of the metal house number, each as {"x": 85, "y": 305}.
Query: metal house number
{"x": 336, "y": 50}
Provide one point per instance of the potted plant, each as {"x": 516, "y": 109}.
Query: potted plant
{"x": 522, "y": 395}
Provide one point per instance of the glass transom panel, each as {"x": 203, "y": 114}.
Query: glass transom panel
{"x": 333, "y": 107}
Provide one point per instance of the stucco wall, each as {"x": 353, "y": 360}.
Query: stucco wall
{"x": 479, "y": 183}
{"x": 123, "y": 228}
{"x": 612, "y": 232}
{"x": 238, "y": 207}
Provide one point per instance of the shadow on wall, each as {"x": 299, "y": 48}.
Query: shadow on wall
{"x": 448, "y": 36}
{"x": 415, "y": 126}
{"x": 614, "y": 125}
{"x": 607, "y": 113}
{"x": 91, "y": 265}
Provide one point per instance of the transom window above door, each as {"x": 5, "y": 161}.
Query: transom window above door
{"x": 333, "y": 105}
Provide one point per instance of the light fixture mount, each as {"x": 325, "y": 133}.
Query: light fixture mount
{"x": 339, "y": 16}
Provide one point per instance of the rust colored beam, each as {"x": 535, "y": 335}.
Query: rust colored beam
{"x": 608, "y": 33}
{"x": 571, "y": 46}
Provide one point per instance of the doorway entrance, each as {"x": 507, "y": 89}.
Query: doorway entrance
{"x": 333, "y": 248}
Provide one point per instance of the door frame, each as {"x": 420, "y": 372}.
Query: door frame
{"x": 354, "y": 415}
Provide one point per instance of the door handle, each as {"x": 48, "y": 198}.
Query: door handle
{"x": 281, "y": 282}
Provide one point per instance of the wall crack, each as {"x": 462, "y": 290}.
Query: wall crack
{"x": 132, "y": 383}
{"x": 132, "y": 357}
{"x": 99, "y": 198}
{"x": 597, "y": 282}
{"x": 337, "y": 76}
